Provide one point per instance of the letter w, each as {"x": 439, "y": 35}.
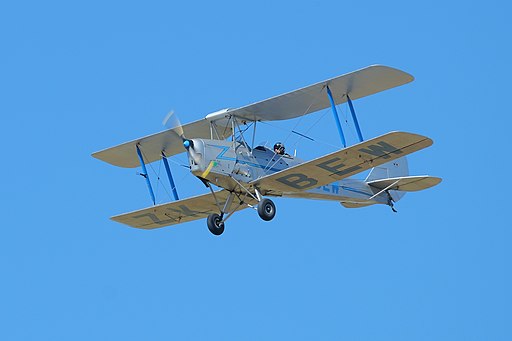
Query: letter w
{"x": 381, "y": 149}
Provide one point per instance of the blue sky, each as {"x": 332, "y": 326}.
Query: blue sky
{"x": 76, "y": 77}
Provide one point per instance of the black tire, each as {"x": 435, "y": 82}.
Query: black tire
{"x": 215, "y": 224}
{"x": 266, "y": 209}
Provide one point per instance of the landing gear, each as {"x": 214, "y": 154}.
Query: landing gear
{"x": 215, "y": 224}
{"x": 266, "y": 209}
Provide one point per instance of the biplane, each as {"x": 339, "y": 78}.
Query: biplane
{"x": 240, "y": 175}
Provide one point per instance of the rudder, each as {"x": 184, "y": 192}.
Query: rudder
{"x": 392, "y": 169}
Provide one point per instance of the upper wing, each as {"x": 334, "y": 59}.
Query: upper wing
{"x": 342, "y": 164}
{"x": 357, "y": 84}
{"x": 176, "y": 212}
{"x": 152, "y": 146}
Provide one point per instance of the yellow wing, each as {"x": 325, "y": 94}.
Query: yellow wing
{"x": 342, "y": 164}
{"x": 179, "y": 211}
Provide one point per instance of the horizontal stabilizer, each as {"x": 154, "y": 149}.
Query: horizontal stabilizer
{"x": 355, "y": 204}
{"x": 406, "y": 183}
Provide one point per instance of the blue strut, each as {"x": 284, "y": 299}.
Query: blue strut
{"x": 336, "y": 118}
{"x": 354, "y": 118}
{"x": 146, "y": 175}
{"x": 169, "y": 175}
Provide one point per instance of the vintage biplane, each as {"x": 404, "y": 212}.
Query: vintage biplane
{"x": 245, "y": 175}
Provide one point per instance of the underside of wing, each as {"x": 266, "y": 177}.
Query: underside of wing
{"x": 406, "y": 183}
{"x": 176, "y": 212}
{"x": 357, "y": 84}
{"x": 343, "y": 163}
{"x": 152, "y": 146}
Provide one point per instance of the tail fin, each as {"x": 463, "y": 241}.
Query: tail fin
{"x": 392, "y": 169}
{"x": 393, "y": 178}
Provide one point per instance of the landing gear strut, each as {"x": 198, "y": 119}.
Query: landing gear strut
{"x": 266, "y": 209}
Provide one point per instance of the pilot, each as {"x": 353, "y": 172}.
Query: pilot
{"x": 279, "y": 148}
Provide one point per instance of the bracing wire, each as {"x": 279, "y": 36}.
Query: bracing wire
{"x": 157, "y": 174}
{"x": 268, "y": 166}
{"x": 241, "y": 132}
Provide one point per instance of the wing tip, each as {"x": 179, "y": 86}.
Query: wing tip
{"x": 407, "y": 77}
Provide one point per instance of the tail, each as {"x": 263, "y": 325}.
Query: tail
{"x": 395, "y": 169}
{"x": 390, "y": 181}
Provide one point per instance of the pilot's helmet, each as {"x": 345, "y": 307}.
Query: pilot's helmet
{"x": 279, "y": 148}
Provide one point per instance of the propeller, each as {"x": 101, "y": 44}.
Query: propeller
{"x": 172, "y": 122}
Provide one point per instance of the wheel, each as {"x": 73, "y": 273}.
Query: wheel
{"x": 266, "y": 209}
{"x": 215, "y": 224}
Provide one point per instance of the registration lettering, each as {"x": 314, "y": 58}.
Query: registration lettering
{"x": 381, "y": 149}
{"x": 336, "y": 167}
{"x": 175, "y": 214}
{"x": 154, "y": 218}
{"x": 184, "y": 211}
{"x": 297, "y": 181}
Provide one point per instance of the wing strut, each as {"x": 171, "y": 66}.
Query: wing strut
{"x": 169, "y": 175}
{"x": 354, "y": 118}
{"x": 336, "y": 118}
{"x": 146, "y": 175}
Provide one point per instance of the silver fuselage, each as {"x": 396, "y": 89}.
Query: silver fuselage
{"x": 229, "y": 164}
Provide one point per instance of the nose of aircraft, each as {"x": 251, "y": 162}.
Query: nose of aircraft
{"x": 188, "y": 143}
{"x": 194, "y": 150}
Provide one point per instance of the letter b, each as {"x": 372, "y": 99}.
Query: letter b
{"x": 297, "y": 181}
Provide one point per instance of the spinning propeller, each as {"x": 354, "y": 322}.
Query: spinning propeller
{"x": 172, "y": 122}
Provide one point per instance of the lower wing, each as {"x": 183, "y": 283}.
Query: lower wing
{"x": 177, "y": 212}
{"x": 342, "y": 164}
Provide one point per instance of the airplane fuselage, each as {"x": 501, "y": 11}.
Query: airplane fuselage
{"x": 229, "y": 164}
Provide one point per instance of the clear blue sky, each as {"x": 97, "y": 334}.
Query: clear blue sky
{"x": 76, "y": 77}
